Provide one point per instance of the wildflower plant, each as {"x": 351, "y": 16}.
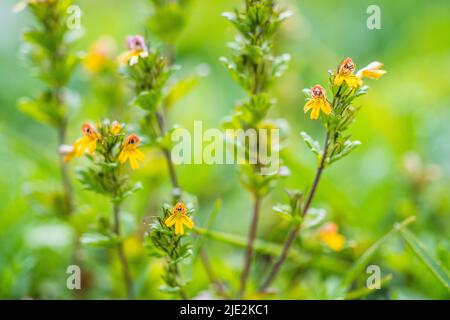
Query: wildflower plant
{"x": 167, "y": 240}
{"x": 338, "y": 113}
{"x": 254, "y": 67}
{"x": 109, "y": 150}
{"x": 48, "y": 51}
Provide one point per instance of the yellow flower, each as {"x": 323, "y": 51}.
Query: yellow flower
{"x": 179, "y": 218}
{"x": 116, "y": 127}
{"x": 129, "y": 151}
{"x": 371, "y": 71}
{"x": 331, "y": 237}
{"x": 87, "y": 142}
{"x": 99, "y": 54}
{"x": 136, "y": 49}
{"x": 317, "y": 102}
{"x": 346, "y": 74}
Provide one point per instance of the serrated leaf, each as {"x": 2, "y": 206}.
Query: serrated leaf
{"x": 312, "y": 144}
{"x": 348, "y": 147}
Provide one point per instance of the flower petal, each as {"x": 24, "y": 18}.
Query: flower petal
{"x": 179, "y": 227}
{"x": 170, "y": 221}
{"x": 187, "y": 221}
{"x": 315, "y": 112}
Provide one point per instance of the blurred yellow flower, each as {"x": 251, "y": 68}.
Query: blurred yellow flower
{"x": 116, "y": 127}
{"x": 331, "y": 237}
{"x": 346, "y": 74}
{"x": 133, "y": 246}
{"x": 100, "y": 53}
{"x": 371, "y": 71}
{"x": 136, "y": 49}
{"x": 179, "y": 218}
{"x": 317, "y": 102}
{"x": 129, "y": 151}
{"x": 87, "y": 142}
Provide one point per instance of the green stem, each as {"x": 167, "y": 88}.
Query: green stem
{"x": 66, "y": 184}
{"x": 121, "y": 252}
{"x": 250, "y": 243}
{"x": 294, "y": 231}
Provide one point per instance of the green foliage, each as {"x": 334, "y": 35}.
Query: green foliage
{"x": 405, "y": 114}
{"x": 47, "y": 48}
{"x": 252, "y": 64}
{"x": 427, "y": 258}
{"x": 168, "y": 18}
{"x": 105, "y": 174}
{"x": 163, "y": 242}
{"x": 254, "y": 67}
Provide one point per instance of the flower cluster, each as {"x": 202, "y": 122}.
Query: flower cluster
{"x": 127, "y": 150}
{"x": 107, "y": 147}
{"x": 346, "y": 85}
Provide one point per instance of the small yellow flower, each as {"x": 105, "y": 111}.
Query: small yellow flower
{"x": 179, "y": 218}
{"x": 87, "y": 142}
{"x": 317, "y": 102}
{"x": 371, "y": 71}
{"x": 129, "y": 151}
{"x": 346, "y": 74}
{"x": 331, "y": 237}
{"x": 100, "y": 53}
{"x": 116, "y": 127}
{"x": 136, "y": 49}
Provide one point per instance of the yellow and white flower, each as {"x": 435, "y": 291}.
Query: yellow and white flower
{"x": 317, "y": 102}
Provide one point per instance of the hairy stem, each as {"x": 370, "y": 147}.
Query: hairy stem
{"x": 250, "y": 242}
{"x": 122, "y": 258}
{"x": 66, "y": 184}
{"x": 294, "y": 231}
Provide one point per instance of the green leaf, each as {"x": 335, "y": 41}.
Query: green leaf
{"x": 180, "y": 89}
{"x": 99, "y": 240}
{"x": 436, "y": 268}
{"x": 129, "y": 191}
{"x": 312, "y": 144}
{"x": 147, "y": 100}
{"x": 361, "y": 263}
{"x": 348, "y": 147}
{"x": 35, "y": 110}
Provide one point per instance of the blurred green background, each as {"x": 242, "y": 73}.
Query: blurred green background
{"x": 401, "y": 168}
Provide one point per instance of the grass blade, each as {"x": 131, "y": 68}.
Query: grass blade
{"x": 360, "y": 264}
{"x": 426, "y": 257}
